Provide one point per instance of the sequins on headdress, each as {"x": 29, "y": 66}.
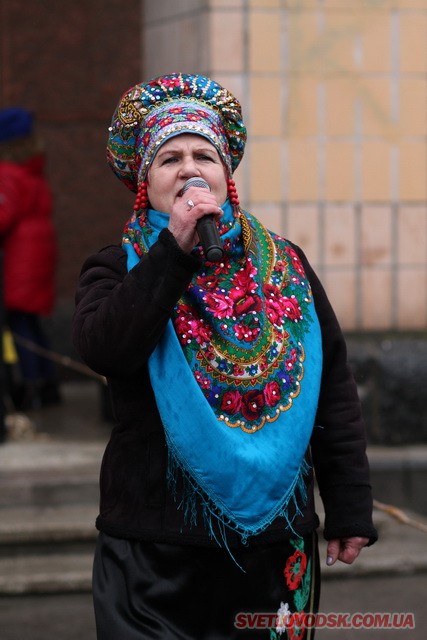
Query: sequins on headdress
{"x": 150, "y": 113}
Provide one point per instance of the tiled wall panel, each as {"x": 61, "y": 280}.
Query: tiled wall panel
{"x": 334, "y": 94}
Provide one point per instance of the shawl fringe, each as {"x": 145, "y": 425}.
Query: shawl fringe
{"x": 194, "y": 500}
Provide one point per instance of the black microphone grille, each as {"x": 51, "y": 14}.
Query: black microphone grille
{"x": 195, "y": 182}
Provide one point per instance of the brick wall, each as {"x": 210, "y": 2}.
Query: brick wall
{"x": 69, "y": 62}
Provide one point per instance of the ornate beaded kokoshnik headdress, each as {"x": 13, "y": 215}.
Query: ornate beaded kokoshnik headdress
{"x": 148, "y": 114}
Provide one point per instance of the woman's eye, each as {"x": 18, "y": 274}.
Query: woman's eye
{"x": 169, "y": 160}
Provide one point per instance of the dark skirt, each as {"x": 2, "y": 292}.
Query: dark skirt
{"x": 157, "y": 591}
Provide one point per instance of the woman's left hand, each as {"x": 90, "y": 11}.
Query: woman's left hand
{"x": 345, "y": 549}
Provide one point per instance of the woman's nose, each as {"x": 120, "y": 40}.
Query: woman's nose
{"x": 189, "y": 167}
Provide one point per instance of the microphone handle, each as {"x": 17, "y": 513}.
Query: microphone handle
{"x": 210, "y": 238}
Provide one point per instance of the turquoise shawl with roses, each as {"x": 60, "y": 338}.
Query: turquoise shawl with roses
{"x": 236, "y": 374}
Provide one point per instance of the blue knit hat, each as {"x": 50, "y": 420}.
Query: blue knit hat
{"x": 15, "y": 122}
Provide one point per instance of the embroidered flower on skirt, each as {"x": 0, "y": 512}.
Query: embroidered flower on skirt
{"x": 298, "y": 572}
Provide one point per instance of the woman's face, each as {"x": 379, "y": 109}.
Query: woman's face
{"x": 178, "y": 159}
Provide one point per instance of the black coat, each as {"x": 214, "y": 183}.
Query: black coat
{"x": 118, "y": 321}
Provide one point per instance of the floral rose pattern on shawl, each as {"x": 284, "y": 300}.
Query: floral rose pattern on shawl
{"x": 241, "y": 325}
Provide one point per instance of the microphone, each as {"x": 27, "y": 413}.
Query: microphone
{"x": 206, "y": 226}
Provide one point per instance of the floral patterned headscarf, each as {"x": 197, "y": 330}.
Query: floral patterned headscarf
{"x": 236, "y": 375}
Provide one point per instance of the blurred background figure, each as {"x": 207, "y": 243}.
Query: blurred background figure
{"x": 28, "y": 244}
